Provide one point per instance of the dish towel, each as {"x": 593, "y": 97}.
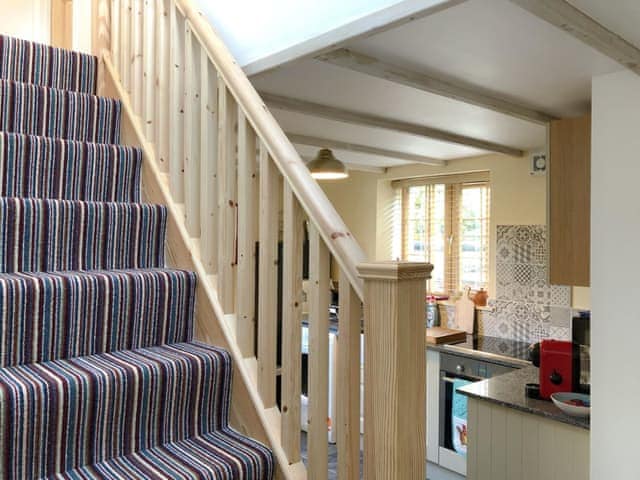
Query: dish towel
{"x": 459, "y": 417}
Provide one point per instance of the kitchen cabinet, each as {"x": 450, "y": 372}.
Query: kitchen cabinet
{"x": 507, "y": 444}
{"x": 569, "y": 201}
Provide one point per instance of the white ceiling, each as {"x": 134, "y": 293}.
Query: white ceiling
{"x": 491, "y": 44}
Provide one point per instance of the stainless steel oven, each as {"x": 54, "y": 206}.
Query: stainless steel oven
{"x": 452, "y": 368}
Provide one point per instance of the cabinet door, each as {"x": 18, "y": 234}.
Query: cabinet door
{"x": 569, "y": 201}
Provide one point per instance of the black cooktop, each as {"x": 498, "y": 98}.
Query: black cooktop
{"x": 497, "y": 346}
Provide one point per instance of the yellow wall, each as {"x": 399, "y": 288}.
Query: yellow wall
{"x": 367, "y": 204}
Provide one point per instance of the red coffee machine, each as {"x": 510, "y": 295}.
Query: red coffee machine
{"x": 559, "y": 364}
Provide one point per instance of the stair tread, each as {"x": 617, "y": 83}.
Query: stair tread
{"x": 220, "y": 455}
{"x": 46, "y": 167}
{"x": 94, "y": 408}
{"x": 54, "y": 235}
{"x": 55, "y": 315}
{"x": 51, "y": 112}
{"x": 47, "y": 65}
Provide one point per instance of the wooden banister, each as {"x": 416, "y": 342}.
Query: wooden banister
{"x": 319, "y": 209}
{"x": 240, "y": 198}
{"x": 395, "y": 370}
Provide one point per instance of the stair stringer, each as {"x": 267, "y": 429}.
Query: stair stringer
{"x": 247, "y": 413}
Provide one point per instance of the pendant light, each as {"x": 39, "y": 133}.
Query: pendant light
{"x": 327, "y": 167}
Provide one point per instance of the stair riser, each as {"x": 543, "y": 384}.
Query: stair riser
{"x": 43, "y": 167}
{"x": 62, "y": 415}
{"x": 46, "y": 317}
{"x": 39, "y": 64}
{"x": 53, "y": 235}
{"x": 48, "y": 112}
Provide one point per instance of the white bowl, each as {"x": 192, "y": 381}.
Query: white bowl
{"x": 561, "y": 400}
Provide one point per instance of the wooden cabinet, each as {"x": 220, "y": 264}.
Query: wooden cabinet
{"x": 569, "y": 201}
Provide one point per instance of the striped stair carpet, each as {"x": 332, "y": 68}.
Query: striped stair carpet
{"x": 100, "y": 377}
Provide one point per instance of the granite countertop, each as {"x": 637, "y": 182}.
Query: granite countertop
{"x": 498, "y": 350}
{"x": 508, "y": 390}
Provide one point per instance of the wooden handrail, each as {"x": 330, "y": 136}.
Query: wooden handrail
{"x": 240, "y": 198}
{"x": 321, "y": 212}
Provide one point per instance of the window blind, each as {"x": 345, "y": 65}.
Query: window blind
{"x": 447, "y": 225}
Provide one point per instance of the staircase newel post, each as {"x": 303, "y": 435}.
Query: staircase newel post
{"x": 395, "y": 370}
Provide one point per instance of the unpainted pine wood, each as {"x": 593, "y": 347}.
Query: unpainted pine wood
{"x": 570, "y": 201}
{"x": 316, "y": 204}
{"x": 176, "y": 109}
{"x": 348, "y": 381}
{"x": 318, "y": 300}
{"x": 162, "y": 70}
{"x": 293, "y": 239}
{"x": 115, "y": 30}
{"x": 227, "y": 196}
{"x": 136, "y": 55}
{"x": 62, "y": 23}
{"x": 208, "y": 164}
{"x": 149, "y": 90}
{"x": 247, "y": 414}
{"x": 247, "y": 235}
{"x": 268, "y": 275}
{"x": 395, "y": 370}
{"x": 124, "y": 65}
{"x": 191, "y": 127}
{"x": 515, "y": 450}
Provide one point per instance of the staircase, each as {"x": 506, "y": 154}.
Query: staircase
{"x": 100, "y": 376}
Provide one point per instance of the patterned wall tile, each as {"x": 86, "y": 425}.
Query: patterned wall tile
{"x": 523, "y": 294}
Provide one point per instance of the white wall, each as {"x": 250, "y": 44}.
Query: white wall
{"x": 615, "y": 267}
{"x": 254, "y": 29}
{"x": 28, "y": 19}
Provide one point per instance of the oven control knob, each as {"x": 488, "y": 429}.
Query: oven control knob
{"x": 555, "y": 378}
{"x": 459, "y": 368}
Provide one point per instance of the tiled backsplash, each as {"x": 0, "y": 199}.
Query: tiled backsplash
{"x": 526, "y": 307}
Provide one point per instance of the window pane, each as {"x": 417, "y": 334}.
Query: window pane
{"x": 474, "y": 236}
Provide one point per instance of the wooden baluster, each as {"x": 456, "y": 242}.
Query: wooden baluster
{"x": 191, "y": 127}
{"x": 227, "y": 186}
{"x": 115, "y": 34}
{"x": 149, "y": 91}
{"x": 318, "y": 295}
{"x": 395, "y": 378}
{"x": 176, "y": 109}
{"x": 162, "y": 60}
{"x": 268, "y": 275}
{"x": 125, "y": 45}
{"x": 208, "y": 164}
{"x": 247, "y": 236}
{"x": 293, "y": 239}
{"x": 348, "y": 382}
{"x": 136, "y": 56}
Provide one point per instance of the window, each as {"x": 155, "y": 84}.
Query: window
{"x": 445, "y": 221}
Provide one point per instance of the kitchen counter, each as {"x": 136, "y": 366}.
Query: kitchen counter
{"x": 503, "y": 351}
{"x": 508, "y": 391}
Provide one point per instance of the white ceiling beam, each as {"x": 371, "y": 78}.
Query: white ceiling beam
{"x": 354, "y": 147}
{"x": 429, "y": 83}
{"x": 378, "y": 22}
{"x": 577, "y": 23}
{"x": 367, "y": 120}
